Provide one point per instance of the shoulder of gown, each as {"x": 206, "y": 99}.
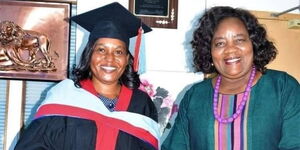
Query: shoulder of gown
{"x": 58, "y": 132}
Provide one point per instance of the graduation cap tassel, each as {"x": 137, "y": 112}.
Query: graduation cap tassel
{"x": 137, "y": 49}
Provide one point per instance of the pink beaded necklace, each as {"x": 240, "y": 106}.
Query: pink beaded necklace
{"x": 242, "y": 104}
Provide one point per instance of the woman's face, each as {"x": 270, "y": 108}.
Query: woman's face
{"x": 232, "y": 51}
{"x": 109, "y": 60}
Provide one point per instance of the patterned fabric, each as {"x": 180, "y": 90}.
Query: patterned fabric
{"x": 231, "y": 136}
{"x": 110, "y": 104}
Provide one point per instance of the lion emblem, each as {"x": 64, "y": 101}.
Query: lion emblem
{"x": 24, "y": 49}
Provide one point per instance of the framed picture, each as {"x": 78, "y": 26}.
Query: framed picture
{"x": 34, "y": 40}
{"x": 156, "y": 13}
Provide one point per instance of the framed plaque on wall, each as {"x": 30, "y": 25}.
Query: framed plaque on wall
{"x": 156, "y": 13}
{"x": 34, "y": 40}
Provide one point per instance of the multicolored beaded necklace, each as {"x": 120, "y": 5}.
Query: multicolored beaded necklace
{"x": 242, "y": 104}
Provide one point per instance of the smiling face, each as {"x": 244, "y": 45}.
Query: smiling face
{"x": 109, "y": 60}
{"x": 232, "y": 51}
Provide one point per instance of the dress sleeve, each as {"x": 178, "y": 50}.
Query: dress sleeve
{"x": 290, "y": 139}
{"x": 178, "y": 138}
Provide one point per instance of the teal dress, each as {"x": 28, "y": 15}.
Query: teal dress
{"x": 272, "y": 122}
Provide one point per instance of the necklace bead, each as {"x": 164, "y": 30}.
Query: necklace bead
{"x": 242, "y": 104}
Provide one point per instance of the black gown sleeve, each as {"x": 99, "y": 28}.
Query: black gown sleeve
{"x": 140, "y": 103}
{"x": 58, "y": 133}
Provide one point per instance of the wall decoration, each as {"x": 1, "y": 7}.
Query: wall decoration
{"x": 34, "y": 40}
{"x": 156, "y": 13}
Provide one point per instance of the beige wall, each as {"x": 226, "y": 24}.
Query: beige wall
{"x": 286, "y": 40}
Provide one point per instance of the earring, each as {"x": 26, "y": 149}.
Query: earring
{"x": 90, "y": 74}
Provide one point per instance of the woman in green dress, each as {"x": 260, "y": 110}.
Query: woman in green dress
{"x": 245, "y": 106}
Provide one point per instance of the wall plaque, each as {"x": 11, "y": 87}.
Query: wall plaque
{"x": 34, "y": 40}
{"x": 156, "y": 13}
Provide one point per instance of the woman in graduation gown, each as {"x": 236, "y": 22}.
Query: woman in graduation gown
{"x": 102, "y": 107}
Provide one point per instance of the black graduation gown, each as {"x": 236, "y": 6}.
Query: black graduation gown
{"x": 68, "y": 133}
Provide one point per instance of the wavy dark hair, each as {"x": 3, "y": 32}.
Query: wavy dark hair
{"x": 82, "y": 71}
{"x": 264, "y": 50}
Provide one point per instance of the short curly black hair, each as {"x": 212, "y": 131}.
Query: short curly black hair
{"x": 82, "y": 71}
{"x": 264, "y": 50}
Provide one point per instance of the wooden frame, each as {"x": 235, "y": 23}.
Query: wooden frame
{"x": 42, "y": 54}
{"x": 156, "y": 13}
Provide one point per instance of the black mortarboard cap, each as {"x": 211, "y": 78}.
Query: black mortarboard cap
{"x": 110, "y": 21}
